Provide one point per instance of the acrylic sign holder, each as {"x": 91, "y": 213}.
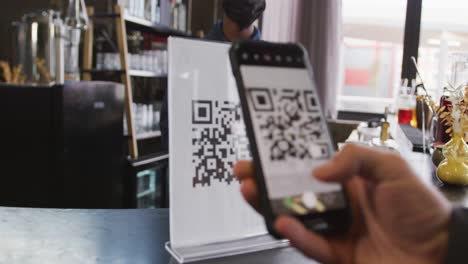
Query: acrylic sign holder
{"x": 225, "y": 249}
{"x": 208, "y": 216}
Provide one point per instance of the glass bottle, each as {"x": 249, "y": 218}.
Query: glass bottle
{"x": 148, "y": 10}
{"x": 158, "y": 11}
{"x": 77, "y": 16}
{"x": 182, "y": 25}
{"x": 406, "y": 107}
{"x": 174, "y": 14}
{"x": 442, "y": 136}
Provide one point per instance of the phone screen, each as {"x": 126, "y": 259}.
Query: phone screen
{"x": 291, "y": 137}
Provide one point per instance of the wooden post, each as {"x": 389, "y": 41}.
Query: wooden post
{"x": 123, "y": 48}
{"x": 88, "y": 46}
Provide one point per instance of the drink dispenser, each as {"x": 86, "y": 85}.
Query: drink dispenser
{"x": 34, "y": 43}
{"x": 48, "y": 49}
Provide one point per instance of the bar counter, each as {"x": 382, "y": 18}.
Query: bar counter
{"x": 129, "y": 236}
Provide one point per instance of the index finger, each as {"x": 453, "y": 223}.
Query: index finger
{"x": 244, "y": 170}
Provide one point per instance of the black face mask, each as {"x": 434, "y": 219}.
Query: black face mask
{"x": 244, "y": 12}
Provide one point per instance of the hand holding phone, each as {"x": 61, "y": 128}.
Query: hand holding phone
{"x": 288, "y": 135}
{"x": 396, "y": 217}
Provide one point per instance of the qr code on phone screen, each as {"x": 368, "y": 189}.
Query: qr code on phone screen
{"x": 290, "y": 123}
{"x": 219, "y": 140}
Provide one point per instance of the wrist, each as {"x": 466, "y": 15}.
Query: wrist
{"x": 435, "y": 243}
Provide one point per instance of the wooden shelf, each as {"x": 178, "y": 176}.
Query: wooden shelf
{"x": 148, "y": 135}
{"x": 133, "y": 73}
{"x": 96, "y": 71}
{"x": 150, "y": 159}
{"x": 147, "y": 74}
{"x": 160, "y": 28}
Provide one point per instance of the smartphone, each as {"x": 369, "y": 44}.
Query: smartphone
{"x": 288, "y": 136}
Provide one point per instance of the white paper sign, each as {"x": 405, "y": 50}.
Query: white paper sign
{"x": 207, "y": 137}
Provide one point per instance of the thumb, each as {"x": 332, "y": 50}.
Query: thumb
{"x": 310, "y": 244}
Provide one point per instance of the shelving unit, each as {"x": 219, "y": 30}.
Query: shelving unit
{"x": 148, "y": 164}
{"x": 121, "y": 19}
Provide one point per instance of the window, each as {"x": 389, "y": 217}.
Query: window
{"x": 372, "y": 48}
{"x": 444, "y": 31}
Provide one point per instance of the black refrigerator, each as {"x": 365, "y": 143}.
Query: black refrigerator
{"x": 63, "y": 146}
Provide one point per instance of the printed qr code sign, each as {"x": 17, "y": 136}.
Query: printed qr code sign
{"x": 319, "y": 151}
{"x": 202, "y": 112}
{"x": 290, "y": 120}
{"x": 218, "y": 141}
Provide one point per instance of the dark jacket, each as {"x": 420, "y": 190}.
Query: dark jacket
{"x": 458, "y": 238}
